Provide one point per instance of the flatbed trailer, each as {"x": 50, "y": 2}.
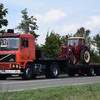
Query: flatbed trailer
{"x": 52, "y": 67}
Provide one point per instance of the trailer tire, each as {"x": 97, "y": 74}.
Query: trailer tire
{"x": 52, "y": 71}
{"x": 28, "y": 73}
{"x": 97, "y": 71}
{"x": 90, "y": 72}
{"x": 85, "y": 56}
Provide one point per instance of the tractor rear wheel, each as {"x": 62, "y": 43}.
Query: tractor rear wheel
{"x": 85, "y": 56}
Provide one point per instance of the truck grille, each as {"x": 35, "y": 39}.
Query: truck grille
{"x": 7, "y": 57}
{"x": 4, "y": 66}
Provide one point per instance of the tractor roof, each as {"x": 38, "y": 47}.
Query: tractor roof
{"x": 76, "y": 38}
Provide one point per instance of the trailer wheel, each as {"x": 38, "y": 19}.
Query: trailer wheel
{"x": 28, "y": 73}
{"x": 52, "y": 71}
{"x": 97, "y": 71}
{"x": 91, "y": 72}
{"x": 85, "y": 56}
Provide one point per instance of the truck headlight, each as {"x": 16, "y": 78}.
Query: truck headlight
{"x": 15, "y": 66}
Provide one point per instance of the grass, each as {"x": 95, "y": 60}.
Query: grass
{"x": 74, "y": 92}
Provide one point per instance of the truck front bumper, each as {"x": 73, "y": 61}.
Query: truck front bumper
{"x": 10, "y": 72}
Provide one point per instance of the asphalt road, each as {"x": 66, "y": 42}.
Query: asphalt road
{"x": 17, "y": 84}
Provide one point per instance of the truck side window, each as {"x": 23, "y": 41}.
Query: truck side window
{"x": 24, "y": 42}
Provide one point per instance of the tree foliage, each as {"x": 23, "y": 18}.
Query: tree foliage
{"x": 96, "y": 41}
{"x": 28, "y": 24}
{"x": 3, "y": 20}
{"x": 52, "y": 45}
{"x": 82, "y": 32}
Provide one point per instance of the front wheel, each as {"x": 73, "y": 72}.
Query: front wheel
{"x": 72, "y": 59}
{"x": 28, "y": 73}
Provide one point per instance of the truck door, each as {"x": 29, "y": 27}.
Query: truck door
{"x": 24, "y": 48}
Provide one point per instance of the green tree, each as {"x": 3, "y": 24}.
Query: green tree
{"x": 96, "y": 41}
{"x": 28, "y": 24}
{"x": 3, "y": 21}
{"x": 82, "y": 32}
{"x": 52, "y": 45}
{"x": 64, "y": 39}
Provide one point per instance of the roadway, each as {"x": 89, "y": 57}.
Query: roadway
{"x": 17, "y": 84}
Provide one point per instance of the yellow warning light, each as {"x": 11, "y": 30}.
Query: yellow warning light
{"x": 13, "y": 66}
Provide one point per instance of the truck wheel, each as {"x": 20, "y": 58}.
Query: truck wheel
{"x": 90, "y": 72}
{"x": 52, "y": 71}
{"x": 85, "y": 56}
{"x": 28, "y": 73}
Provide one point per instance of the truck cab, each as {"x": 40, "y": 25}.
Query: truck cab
{"x": 16, "y": 50}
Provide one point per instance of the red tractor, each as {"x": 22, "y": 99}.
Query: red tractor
{"x": 76, "y": 50}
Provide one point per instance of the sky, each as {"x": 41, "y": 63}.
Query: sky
{"x": 61, "y": 16}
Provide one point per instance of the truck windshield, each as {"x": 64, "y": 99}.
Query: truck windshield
{"x": 9, "y": 43}
{"x": 72, "y": 42}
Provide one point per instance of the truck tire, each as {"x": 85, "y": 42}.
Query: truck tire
{"x": 52, "y": 71}
{"x": 28, "y": 73}
{"x": 85, "y": 56}
{"x": 90, "y": 72}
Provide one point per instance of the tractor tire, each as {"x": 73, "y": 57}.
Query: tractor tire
{"x": 73, "y": 60}
{"x": 52, "y": 71}
{"x": 28, "y": 73}
{"x": 85, "y": 56}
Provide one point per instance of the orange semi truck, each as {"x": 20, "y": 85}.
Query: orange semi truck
{"x": 18, "y": 56}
